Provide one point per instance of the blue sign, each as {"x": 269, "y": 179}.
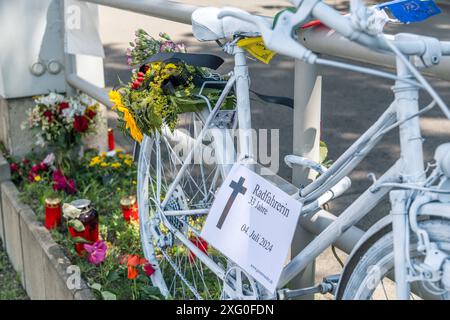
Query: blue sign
{"x": 407, "y": 11}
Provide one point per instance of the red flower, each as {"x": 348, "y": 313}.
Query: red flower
{"x": 14, "y": 167}
{"x": 49, "y": 115}
{"x": 62, "y": 106}
{"x": 148, "y": 269}
{"x": 133, "y": 261}
{"x": 31, "y": 176}
{"x": 80, "y": 124}
{"x": 71, "y": 187}
{"x": 90, "y": 113}
{"x": 43, "y": 166}
{"x": 25, "y": 161}
{"x": 36, "y": 168}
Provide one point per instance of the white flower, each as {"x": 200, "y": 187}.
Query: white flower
{"x": 86, "y": 100}
{"x": 50, "y": 99}
{"x": 40, "y": 140}
{"x": 70, "y": 211}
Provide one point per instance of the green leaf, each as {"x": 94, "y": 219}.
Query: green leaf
{"x": 80, "y": 240}
{"x": 96, "y": 286}
{"x": 108, "y": 295}
{"x": 113, "y": 276}
{"x": 323, "y": 152}
{"x": 77, "y": 225}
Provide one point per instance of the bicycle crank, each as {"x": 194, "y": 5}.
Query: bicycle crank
{"x": 328, "y": 285}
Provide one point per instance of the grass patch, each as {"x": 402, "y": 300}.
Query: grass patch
{"x": 10, "y": 287}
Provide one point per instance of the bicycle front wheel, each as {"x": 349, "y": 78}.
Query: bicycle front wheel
{"x": 168, "y": 233}
{"x": 369, "y": 275}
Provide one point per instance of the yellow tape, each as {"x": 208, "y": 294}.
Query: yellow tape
{"x": 256, "y": 47}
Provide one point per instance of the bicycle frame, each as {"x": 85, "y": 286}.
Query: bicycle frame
{"x": 404, "y": 106}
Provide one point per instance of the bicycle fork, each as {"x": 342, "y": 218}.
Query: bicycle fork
{"x": 412, "y": 171}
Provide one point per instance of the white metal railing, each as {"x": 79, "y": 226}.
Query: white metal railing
{"x": 317, "y": 39}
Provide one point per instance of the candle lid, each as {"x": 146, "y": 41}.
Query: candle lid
{"x": 81, "y": 203}
{"x": 53, "y": 201}
{"x": 128, "y": 201}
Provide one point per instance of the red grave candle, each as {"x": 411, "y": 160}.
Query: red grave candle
{"x": 111, "y": 144}
{"x": 129, "y": 208}
{"x": 52, "y": 213}
{"x": 89, "y": 218}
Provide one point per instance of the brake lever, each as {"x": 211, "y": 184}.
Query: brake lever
{"x": 278, "y": 39}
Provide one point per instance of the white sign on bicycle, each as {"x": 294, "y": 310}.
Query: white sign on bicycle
{"x": 252, "y": 222}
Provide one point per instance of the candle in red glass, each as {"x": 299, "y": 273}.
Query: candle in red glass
{"x": 199, "y": 243}
{"x": 89, "y": 218}
{"x": 129, "y": 208}
{"x": 52, "y": 213}
{"x": 111, "y": 144}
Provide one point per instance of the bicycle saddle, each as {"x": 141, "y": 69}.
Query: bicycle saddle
{"x": 207, "y": 27}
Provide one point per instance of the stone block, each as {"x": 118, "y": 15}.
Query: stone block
{"x": 11, "y": 207}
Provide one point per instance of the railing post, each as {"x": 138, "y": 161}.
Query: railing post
{"x": 306, "y": 143}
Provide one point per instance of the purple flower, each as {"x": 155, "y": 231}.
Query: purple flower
{"x": 96, "y": 252}
{"x": 167, "y": 46}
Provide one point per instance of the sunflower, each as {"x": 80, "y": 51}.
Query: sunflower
{"x": 116, "y": 99}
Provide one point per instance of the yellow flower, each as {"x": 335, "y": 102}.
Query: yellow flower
{"x": 115, "y": 165}
{"x": 129, "y": 162}
{"x": 37, "y": 178}
{"x": 134, "y": 181}
{"x": 130, "y": 123}
{"x": 171, "y": 66}
{"x": 103, "y": 154}
{"x": 94, "y": 161}
{"x": 104, "y": 164}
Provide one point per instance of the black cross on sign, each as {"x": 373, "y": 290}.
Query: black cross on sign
{"x": 238, "y": 187}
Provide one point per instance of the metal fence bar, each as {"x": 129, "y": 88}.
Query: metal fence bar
{"x": 162, "y": 9}
{"x": 90, "y": 89}
{"x": 322, "y": 40}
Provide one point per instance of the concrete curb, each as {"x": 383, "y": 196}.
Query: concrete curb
{"x": 5, "y": 175}
{"x": 45, "y": 272}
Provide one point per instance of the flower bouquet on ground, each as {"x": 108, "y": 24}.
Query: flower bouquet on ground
{"x": 162, "y": 86}
{"x": 60, "y": 123}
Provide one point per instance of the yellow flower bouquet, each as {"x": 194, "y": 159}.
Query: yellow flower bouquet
{"x": 159, "y": 91}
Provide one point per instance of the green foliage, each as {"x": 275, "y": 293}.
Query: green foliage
{"x": 104, "y": 180}
{"x": 10, "y": 288}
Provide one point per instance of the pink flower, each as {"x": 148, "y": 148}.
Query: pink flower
{"x": 49, "y": 159}
{"x": 61, "y": 182}
{"x": 148, "y": 269}
{"x": 71, "y": 187}
{"x": 96, "y": 252}
{"x": 167, "y": 46}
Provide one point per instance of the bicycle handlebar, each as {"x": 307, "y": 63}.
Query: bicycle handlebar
{"x": 334, "y": 20}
